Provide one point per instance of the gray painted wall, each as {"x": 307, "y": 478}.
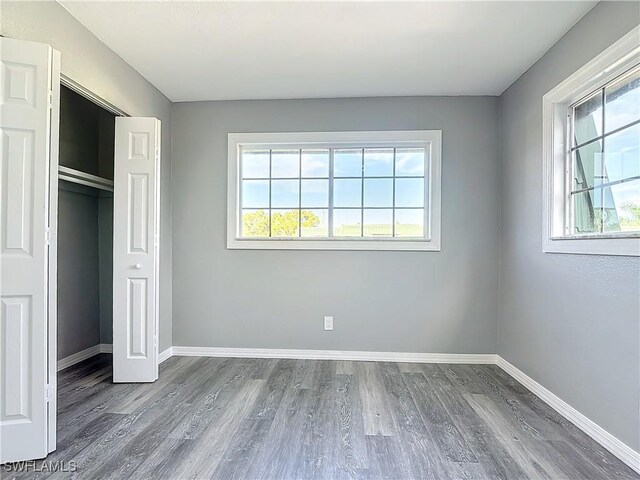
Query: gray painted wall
{"x": 78, "y": 269}
{"x": 382, "y": 301}
{"x": 571, "y": 322}
{"x": 89, "y": 62}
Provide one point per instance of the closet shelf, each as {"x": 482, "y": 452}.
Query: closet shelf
{"x": 82, "y": 178}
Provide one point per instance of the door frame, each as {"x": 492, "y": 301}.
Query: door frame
{"x": 52, "y": 235}
{"x": 92, "y": 97}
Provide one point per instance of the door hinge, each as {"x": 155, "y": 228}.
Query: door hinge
{"x": 50, "y": 99}
{"x": 48, "y": 393}
{"x": 49, "y": 236}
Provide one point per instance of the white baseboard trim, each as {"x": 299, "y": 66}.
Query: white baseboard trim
{"x": 97, "y": 349}
{"x": 595, "y": 431}
{"x": 480, "y": 358}
{"x": 165, "y": 355}
{"x": 83, "y": 355}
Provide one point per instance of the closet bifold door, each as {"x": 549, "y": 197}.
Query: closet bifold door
{"x": 28, "y": 115}
{"x": 136, "y": 226}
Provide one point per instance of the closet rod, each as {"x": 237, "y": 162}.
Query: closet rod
{"x": 82, "y": 178}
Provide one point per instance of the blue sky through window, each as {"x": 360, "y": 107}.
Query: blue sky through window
{"x": 300, "y": 179}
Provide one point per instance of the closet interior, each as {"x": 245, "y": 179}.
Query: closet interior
{"x": 85, "y": 228}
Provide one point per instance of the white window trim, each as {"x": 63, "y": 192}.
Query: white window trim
{"x": 609, "y": 64}
{"x": 431, "y": 138}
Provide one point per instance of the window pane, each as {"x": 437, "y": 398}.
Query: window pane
{"x": 347, "y": 223}
{"x": 255, "y": 164}
{"x": 622, "y": 207}
{"x": 409, "y": 192}
{"x": 255, "y": 223}
{"x": 587, "y": 214}
{"x": 315, "y": 163}
{"x": 284, "y": 193}
{"x": 378, "y": 192}
{"x": 378, "y": 223}
{"x": 622, "y": 154}
{"x": 588, "y": 119}
{"x": 622, "y": 102}
{"x": 347, "y": 163}
{"x": 587, "y": 167}
{"x": 285, "y": 223}
{"x": 315, "y": 193}
{"x": 255, "y": 193}
{"x": 347, "y": 193}
{"x": 410, "y": 162}
{"x": 315, "y": 223}
{"x": 378, "y": 162}
{"x": 285, "y": 163}
{"x": 410, "y": 223}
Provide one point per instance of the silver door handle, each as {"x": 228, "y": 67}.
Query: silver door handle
{"x": 137, "y": 266}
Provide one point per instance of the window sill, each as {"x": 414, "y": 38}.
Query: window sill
{"x": 611, "y": 245}
{"x": 374, "y": 244}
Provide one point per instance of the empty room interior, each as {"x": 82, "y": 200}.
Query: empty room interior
{"x": 320, "y": 240}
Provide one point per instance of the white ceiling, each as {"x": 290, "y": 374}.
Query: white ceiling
{"x": 249, "y": 50}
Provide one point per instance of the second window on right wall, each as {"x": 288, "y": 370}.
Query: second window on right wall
{"x": 591, "y": 163}
{"x": 605, "y": 159}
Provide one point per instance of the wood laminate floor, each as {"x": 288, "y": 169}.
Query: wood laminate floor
{"x": 304, "y": 419}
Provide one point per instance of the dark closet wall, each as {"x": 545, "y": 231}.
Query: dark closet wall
{"x": 85, "y": 227}
{"x": 78, "y": 269}
{"x": 105, "y": 251}
{"x": 86, "y": 135}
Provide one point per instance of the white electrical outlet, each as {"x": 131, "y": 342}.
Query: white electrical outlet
{"x": 328, "y": 323}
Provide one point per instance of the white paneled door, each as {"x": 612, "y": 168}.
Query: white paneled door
{"x": 29, "y": 82}
{"x": 136, "y": 208}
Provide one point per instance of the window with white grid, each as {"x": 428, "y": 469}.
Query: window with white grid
{"x": 353, "y": 190}
{"x": 591, "y": 141}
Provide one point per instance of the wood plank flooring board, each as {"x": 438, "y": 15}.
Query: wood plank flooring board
{"x": 329, "y": 416}
{"x": 386, "y": 459}
{"x": 493, "y": 458}
{"x": 524, "y": 449}
{"x": 440, "y": 425}
{"x": 166, "y": 466}
{"x": 172, "y": 370}
{"x": 376, "y": 413}
{"x": 464, "y": 378}
{"x": 203, "y": 456}
{"x": 528, "y": 422}
{"x": 284, "y": 419}
{"x": 406, "y": 367}
{"x": 263, "y": 367}
{"x": 251, "y": 434}
{"x": 353, "y": 448}
{"x": 71, "y": 421}
{"x": 218, "y": 391}
{"x": 302, "y": 376}
{"x": 319, "y": 442}
{"x": 449, "y": 395}
{"x": 424, "y": 458}
{"x": 281, "y": 443}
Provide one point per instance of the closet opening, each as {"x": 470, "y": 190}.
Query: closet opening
{"x": 85, "y": 239}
